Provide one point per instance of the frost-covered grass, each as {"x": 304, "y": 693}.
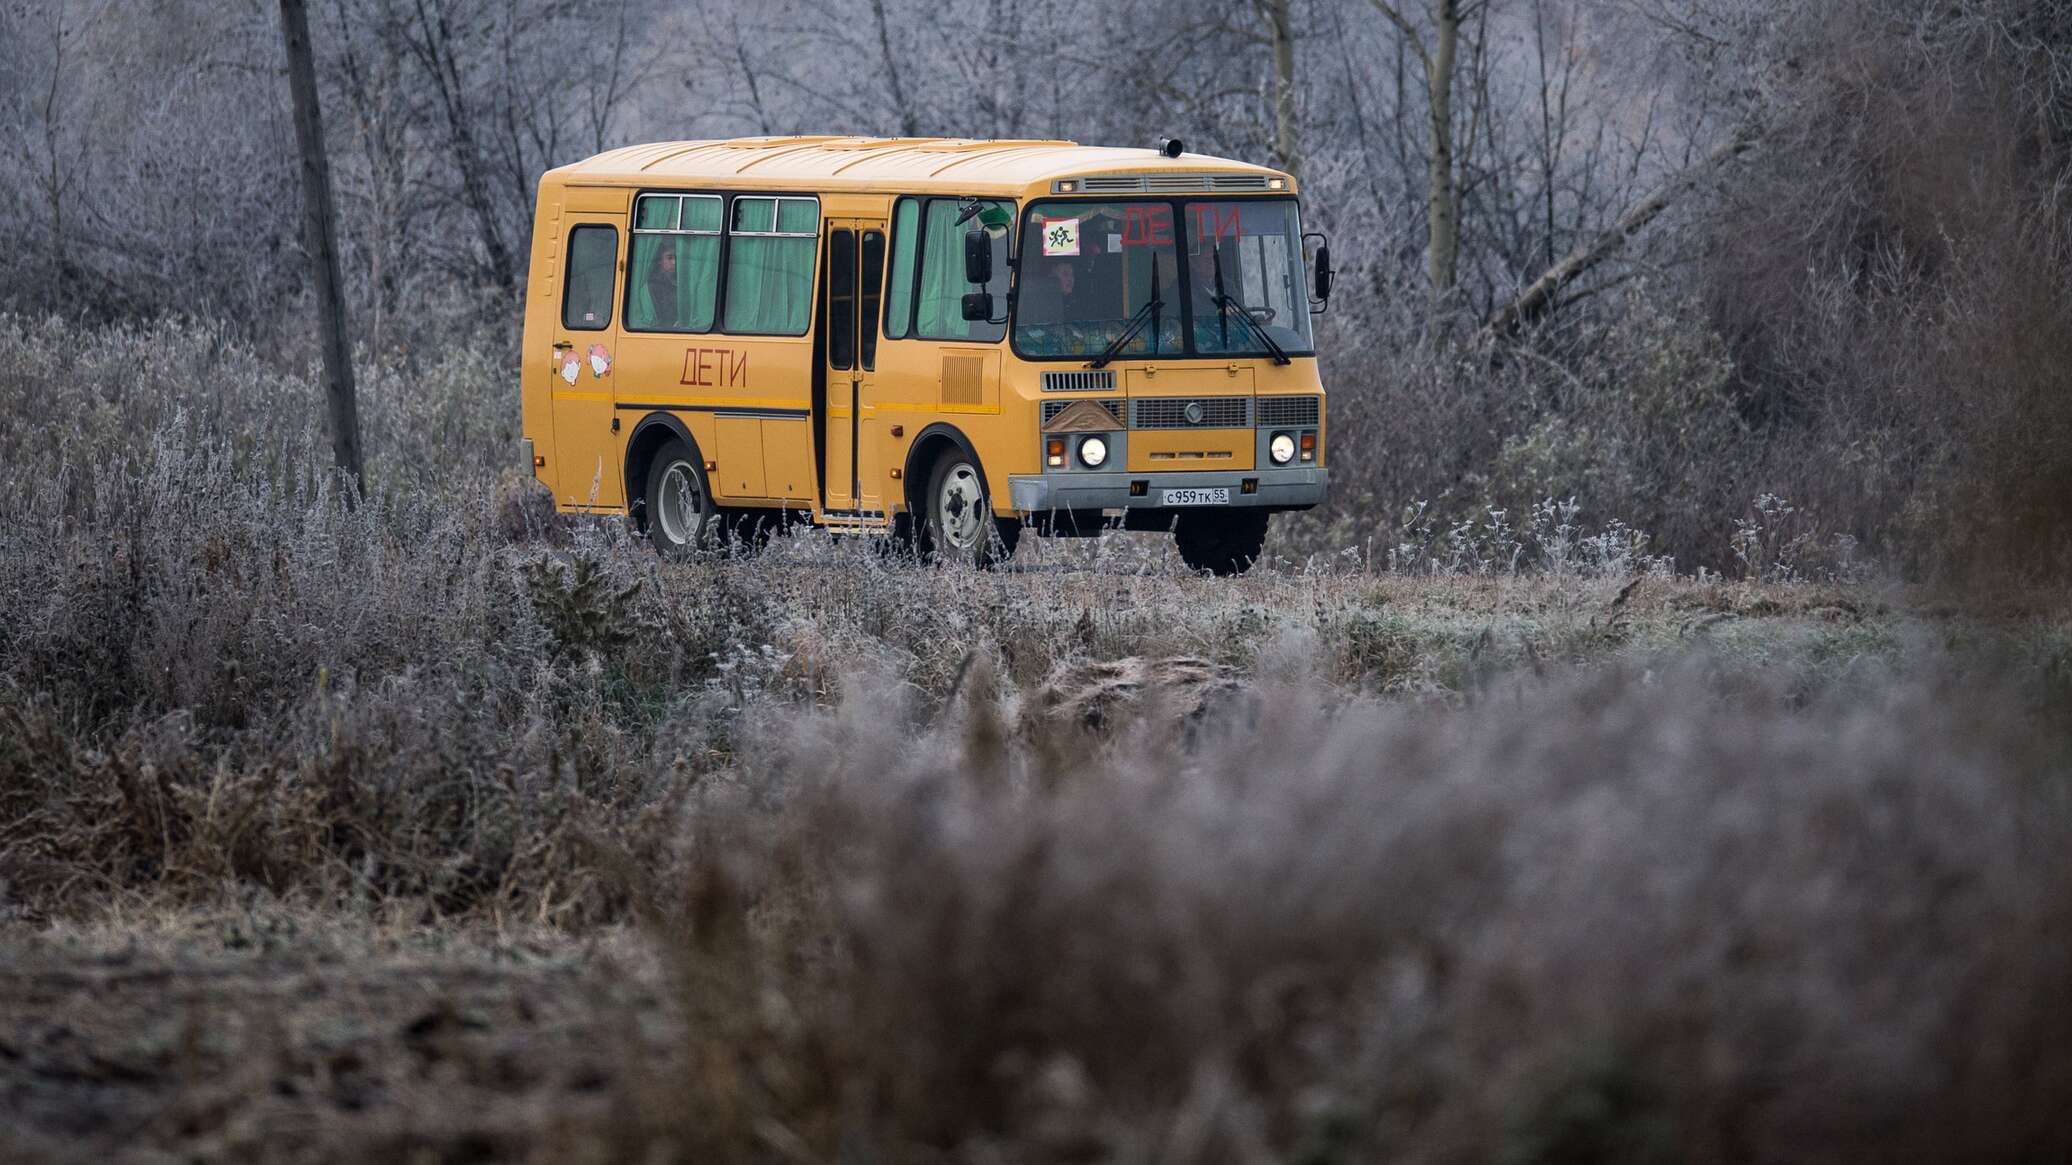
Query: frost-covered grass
{"x": 1502, "y": 842}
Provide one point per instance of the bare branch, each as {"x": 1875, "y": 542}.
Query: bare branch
{"x": 1534, "y": 301}
{"x": 1409, "y": 34}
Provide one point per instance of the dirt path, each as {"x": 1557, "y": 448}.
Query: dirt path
{"x": 278, "y": 1055}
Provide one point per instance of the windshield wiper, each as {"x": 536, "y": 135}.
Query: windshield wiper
{"x": 1150, "y": 311}
{"x": 1224, "y": 304}
{"x": 1227, "y": 305}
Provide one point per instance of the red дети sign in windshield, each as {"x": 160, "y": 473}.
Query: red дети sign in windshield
{"x": 1153, "y": 225}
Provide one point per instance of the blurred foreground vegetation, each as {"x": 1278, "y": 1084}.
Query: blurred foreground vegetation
{"x": 439, "y": 825}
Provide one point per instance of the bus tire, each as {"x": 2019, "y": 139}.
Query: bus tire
{"x": 1220, "y": 542}
{"x": 680, "y": 515}
{"x": 960, "y": 526}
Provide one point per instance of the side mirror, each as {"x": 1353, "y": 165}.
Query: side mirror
{"x": 1324, "y": 272}
{"x": 978, "y": 305}
{"x": 978, "y": 257}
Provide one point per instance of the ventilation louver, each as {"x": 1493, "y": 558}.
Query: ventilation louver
{"x": 1084, "y": 380}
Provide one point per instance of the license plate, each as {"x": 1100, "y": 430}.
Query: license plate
{"x": 1219, "y": 496}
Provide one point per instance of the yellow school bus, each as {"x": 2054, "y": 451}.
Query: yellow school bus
{"x": 939, "y": 341}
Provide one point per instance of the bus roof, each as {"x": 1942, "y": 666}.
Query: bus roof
{"x": 906, "y": 165}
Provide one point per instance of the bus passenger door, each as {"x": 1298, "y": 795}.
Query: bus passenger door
{"x": 585, "y": 439}
{"x": 849, "y": 437}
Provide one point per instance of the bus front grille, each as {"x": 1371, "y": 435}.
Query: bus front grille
{"x": 1183, "y": 412}
{"x": 1279, "y": 411}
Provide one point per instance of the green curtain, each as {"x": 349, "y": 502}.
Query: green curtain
{"x": 655, "y": 213}
{"x": 640, "y": 306}
{"x": 940, "y": 315}
{"x": 770, "y": 285}
{"x": 697, "y": 282}
{"x": 798, "y": 216}
{"x": 899, "y": 287}
{"x": 701, "y": 214}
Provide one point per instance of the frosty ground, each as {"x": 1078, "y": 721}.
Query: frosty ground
{"x": 820, "y": 853}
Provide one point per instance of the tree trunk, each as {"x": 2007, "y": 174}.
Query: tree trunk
{"x": 319, "y": 221}
{"x": 1443, "y": 251}
{"x": 1287, "y": 142}
{"x": 908, "y": 124}
{"x": 52, "y": 146}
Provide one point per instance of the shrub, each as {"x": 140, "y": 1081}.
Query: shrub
{"x": 1612, "y": 921}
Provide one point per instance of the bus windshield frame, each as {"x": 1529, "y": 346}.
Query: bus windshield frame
{"x": 1209, "y": 257}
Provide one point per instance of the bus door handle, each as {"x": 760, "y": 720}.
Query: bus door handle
{"x": 563, "y": 345}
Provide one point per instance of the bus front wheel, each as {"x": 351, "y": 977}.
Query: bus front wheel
{"x": 961, "y": 526}
{"x": 1221, "y": 542}
{"x": 681, "y": 516}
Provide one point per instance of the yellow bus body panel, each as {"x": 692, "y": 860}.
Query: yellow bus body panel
{"x": 746, "y": 401}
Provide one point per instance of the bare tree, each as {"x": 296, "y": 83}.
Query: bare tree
{"x": 57, "y": 184}
{"x": 431, "y": 37}
{"x": 1442, "y": 252}
{"x": 1539, "y": 295}
{"x": 908, "y": 124}
{"x": 319, "y": 221}
{"x": 602, "y": 102}
{"x": 1287, "y": 139}
{"x": 756, "y": 105}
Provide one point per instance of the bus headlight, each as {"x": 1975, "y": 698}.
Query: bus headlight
{"x": 1281, "y": 449}
{"x": 1092, "y": 452}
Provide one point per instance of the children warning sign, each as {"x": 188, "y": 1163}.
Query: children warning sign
{"x": 1060, "y": 237}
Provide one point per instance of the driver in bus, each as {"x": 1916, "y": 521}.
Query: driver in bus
{"x": 1054, "y": 295}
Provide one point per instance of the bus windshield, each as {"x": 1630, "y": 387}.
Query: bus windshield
{"x": 1089, "y": 271}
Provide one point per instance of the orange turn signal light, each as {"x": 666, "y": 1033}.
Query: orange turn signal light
{"x": 1309, "y": 446}
{"x": 1054, "y": 450}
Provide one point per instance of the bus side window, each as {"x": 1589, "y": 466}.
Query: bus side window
{"x": 867, "y": 291}
{"x": 672, "y": 283}
{"x": 899, "y": 287}
{"x": 586, "y": 299}
{"x": 771, "y": 248}
{"x": 939, "y": 308}
{"x": 841, "y": 299}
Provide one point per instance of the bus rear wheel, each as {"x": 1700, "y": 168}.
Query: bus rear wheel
{"x": 960, "y": 522}
{"x": 1220, "y": 542}
{"x": 680, "y": 516}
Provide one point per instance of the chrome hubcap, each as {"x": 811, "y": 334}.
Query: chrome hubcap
{"x": 679, "y": 506}
{"x": 961, "y": 508}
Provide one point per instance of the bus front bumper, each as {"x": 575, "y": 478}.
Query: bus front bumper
{"x": 1287, "y": 489}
